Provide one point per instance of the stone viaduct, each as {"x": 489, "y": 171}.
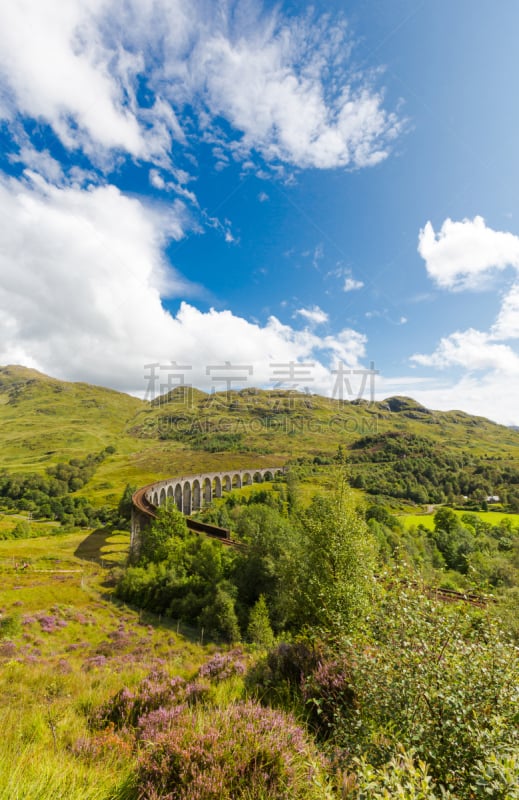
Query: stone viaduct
{"x": 191, "y": 493}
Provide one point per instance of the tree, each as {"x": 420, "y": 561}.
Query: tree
{"x": 162, "y": 539}
{"x": 22, "y": 530}
{"x": 125, "y": 503}
{"x": 445, "y": 520}
{"x": 336, "y": 564}
{"x": 266, "y": 567}
{"x": 219, "y": 617}
{"x": 259, "y": 631}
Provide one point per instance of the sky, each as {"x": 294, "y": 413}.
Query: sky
{"x": 240, "y": 193}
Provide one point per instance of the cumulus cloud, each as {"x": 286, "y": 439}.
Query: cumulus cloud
{"x": 40, "y": 161}
{"x": 462, "y": 255}
{"x": 506, "y": 325}
{"x": 314, "y": 315}
{"x": 473, "y": 350}
{"x": 54, "y": 62}
{"x": 351, "y": 285}
{"x": 272, "y": 89}
{"x": 84, "y": 69}
{"x": 83, "y": 271}
{"x": 82, "y": 274}
{"x": 465, "y": 255}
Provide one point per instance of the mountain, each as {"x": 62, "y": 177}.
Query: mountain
{"x": 44, "y": 421}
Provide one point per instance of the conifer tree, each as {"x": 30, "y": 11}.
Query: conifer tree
{"x": 259, "y": 631}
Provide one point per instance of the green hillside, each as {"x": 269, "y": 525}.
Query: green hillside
{"x": 115, "y": 676}
{"x": 44, "y": 421}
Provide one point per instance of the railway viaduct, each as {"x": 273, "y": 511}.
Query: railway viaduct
{"x": 191, "y": 493}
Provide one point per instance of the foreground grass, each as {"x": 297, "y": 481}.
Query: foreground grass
{"x": 33, "y": 772}
{"x": 69, "y": 648}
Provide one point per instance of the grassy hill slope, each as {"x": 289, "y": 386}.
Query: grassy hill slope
{"x": 44, "y": 421}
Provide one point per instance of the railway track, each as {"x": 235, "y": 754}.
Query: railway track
{"x": 141, "y": 502}
{"x": 446, "y": 595}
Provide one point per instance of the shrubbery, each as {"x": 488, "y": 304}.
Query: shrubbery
{"x": 420, "y": 469}
{"x": 435, "y": 681}
{"x": 313, "y": 569}
{"x": 240, "y": 752}
{"x": 404, "y": 695}
{"x": 188, "y": 749}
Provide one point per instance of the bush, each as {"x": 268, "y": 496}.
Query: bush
{"x": 125, "y": 709}
{"x": 259, "y": 631}
{"x": 241, "y": 752}
{"x": 403, "y": 777}
{"x": 279, "y": 677}
{"x": 438, "y": 680}
{"x": 10, "y": 626}
{"x": 22, "y": 530}
{"x": 327, "y": 692}
{"x": 223, "y": 666}
{"x": 219, "y": 617}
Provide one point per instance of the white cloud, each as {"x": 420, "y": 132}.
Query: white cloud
{"x": 314, "y": 315}
{"x": 263, "y": 197}
{"x": 40, "y": 161}
{"x": 486, "y": 395}
{"x": 158, "y": 181}
{"x": 465, "y": 255}
{"x": 77, "y": 66}
{"x": 462, "y": 255}
{"x": 82, "y": 274}
{"x": 351, "y": 285}
{"x": 472, "y": 350}
{"x": 506, "y": 325}
{"x": 284, "y": 111}
{"x": 53, "y": 60}
{"x": 348, "y": 346}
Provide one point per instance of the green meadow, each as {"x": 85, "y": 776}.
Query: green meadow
{"x": 427, "y": 519}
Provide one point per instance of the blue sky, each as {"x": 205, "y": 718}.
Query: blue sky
{"x": 250, "y": 184}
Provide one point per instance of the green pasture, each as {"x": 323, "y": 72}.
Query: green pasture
{"x": 37, "y": 527}
{"x": 427, "y": 520}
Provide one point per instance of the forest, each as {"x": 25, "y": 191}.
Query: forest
{"x": 420, "y": 469}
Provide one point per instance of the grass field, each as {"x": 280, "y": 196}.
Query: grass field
{"x": 37, "y": 527}
{"x": 65, "y": 646}
{"x": 427, "y": 520}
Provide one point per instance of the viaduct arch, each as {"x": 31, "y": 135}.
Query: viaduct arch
{"x": 191, "y": 493}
